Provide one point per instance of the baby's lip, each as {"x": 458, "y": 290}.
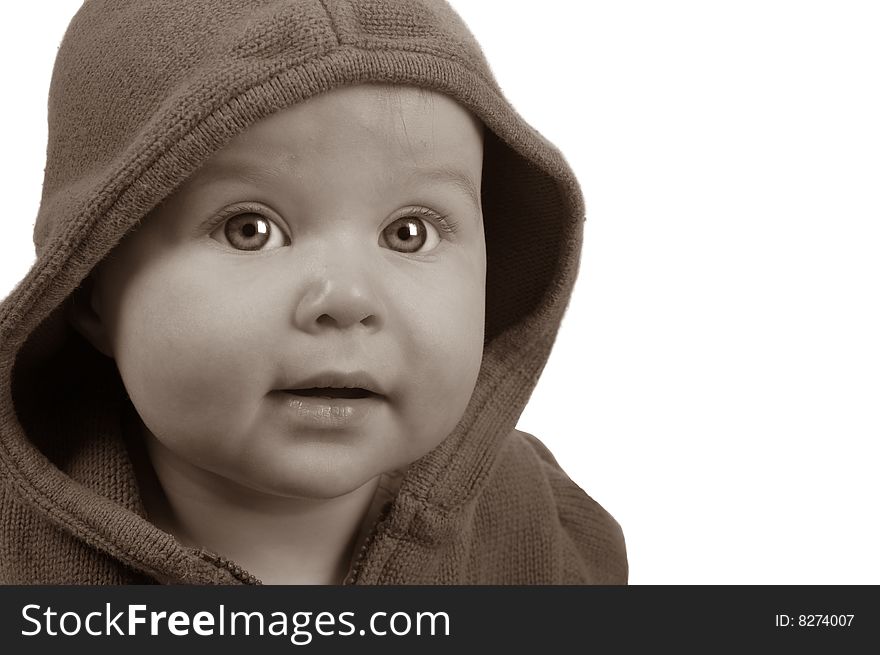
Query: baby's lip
{"x": 354, "y": 384}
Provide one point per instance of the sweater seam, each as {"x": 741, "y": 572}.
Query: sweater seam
{"x": 332, "y": 22}
{"x": 439, "y": 55}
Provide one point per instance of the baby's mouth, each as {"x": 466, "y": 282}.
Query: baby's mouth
{"x": 332, "y": 393}
{"x": 334, "y": 387}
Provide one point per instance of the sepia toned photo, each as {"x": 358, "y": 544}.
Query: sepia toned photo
{"x": 462, "y": 293}
{"x": 299, "y": 266}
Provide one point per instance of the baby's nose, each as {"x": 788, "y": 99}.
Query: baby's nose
{"x": 338, "y": 299}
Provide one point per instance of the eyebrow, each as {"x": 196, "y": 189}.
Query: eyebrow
{"x": 258, "y": 173}
{"x": 244, "y": 172}
{"x": 457, "y": 178}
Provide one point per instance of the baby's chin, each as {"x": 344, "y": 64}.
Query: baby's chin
{"x": 313, "y": 477}
{"x": 310, "y": 486}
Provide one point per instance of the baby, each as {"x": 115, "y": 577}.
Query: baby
{"x": 299, "y": 268}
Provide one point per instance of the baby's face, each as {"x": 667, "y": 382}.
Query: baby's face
{"x": 307, "y": 310}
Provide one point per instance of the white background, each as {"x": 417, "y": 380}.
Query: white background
{"x": 716, "y": 380}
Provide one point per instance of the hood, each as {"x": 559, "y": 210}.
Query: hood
{"x": 143, "y": 92}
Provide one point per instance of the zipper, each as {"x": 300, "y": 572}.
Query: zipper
{"x": 357, "y": 562}
{"x": 228, "y": 565}
{"x": 350, "y": 579}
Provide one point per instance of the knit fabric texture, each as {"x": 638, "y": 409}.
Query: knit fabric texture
{"x": 143, "y": 92}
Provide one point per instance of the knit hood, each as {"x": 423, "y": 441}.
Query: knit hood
{"x": 143, "y": 92}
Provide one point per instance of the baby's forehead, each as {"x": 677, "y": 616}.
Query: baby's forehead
{"x": 390, "y": 131}
{"x": 388, "y": 118}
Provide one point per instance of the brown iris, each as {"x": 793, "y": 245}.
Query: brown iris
{"x": 247, "y": 231}
{"x": 407, "y": 234}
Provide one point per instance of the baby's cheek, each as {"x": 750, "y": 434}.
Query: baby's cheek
{"x": 188, "y": 362}
{"x": 450, "y": 353}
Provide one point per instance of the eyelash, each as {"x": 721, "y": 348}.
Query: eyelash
{"x": 444, "y": 222}
{"x": 235, "y": 210}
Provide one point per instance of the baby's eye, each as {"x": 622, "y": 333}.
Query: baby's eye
{"x": 249, "y": 231}
{"x": 410, "y": 234}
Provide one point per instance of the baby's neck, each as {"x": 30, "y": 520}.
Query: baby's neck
{"x": 280, "y": 540}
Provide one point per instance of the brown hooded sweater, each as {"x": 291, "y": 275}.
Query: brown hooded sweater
{"x": 143, "y": 92}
